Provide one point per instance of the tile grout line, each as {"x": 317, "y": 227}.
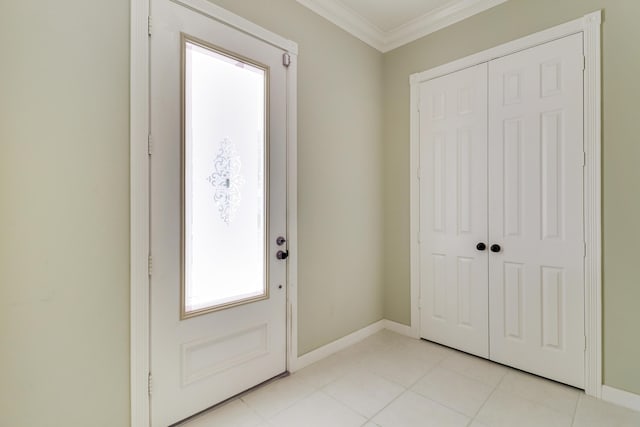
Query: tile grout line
{"x": 344, "y": 374}
{"x": 408, "y": 389}
{"x": 303, "y": 397}
{"x": 575, "y": 410}
{"x": 495, "y": 388}
{"x": 387, "y": 405}
{"x": 344, "y": 405}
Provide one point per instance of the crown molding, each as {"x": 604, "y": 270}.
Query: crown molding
{"x": 345, "y": 18}
{"x": 435, "y": 20}
{"x": 384, "y": 41}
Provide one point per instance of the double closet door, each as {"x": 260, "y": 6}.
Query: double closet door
{"x": 501, "y": 210}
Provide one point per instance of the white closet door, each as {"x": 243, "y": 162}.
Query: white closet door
{"x": 453, "y": 210}
{"x": 536, "y": 210}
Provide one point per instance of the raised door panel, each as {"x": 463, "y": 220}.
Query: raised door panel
{"x": 513, "y": 301}
{"x": 453, "y": 209}
{"x": 536, "y": 210}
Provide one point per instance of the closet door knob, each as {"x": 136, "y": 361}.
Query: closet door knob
{"x": 481, "y": 246}
{"x": 495, "y": 248}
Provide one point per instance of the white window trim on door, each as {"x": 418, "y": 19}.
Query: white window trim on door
{"x": 140, "y": 148}
{"x": 590, "y": 26}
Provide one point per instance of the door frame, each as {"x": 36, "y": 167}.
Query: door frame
{"x": 140, "y": 151}
{"x": 590, "y": 26}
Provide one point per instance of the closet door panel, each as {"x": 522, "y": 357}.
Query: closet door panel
{"x": 453, "y": 210}
{"x": 536, "y": 210}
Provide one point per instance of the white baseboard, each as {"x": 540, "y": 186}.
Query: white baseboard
{"x": 399, "y": 328}
{"x": 346, "y": 341}
{"x": 337, "y": 345}
{"x": 621, "y": 397}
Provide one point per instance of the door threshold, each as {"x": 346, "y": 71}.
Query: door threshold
{"x": 231, "y": 399}
{"x": 488, "y": 359}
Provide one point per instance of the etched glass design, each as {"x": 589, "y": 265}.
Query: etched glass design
{"x": 227, "y": 181}
{"x": 224, "y": 212}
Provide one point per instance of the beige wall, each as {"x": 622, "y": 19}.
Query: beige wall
{"x": 64, "y": 213}
{"x": 339, "y": 162}
{"x": 621, "y": 155}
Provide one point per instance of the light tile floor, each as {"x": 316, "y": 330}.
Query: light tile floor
{"x": 389, "y": 380}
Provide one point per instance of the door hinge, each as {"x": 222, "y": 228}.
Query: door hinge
{"x": 286, "y": 59}
{"x": 149, "y": 144}
{"x": 149, "y": 265}
{"x": 585, "y": 250}
{"x": 584, "y": 63}
{"x": 149, "y": 25}
{"x": 584, "y": 158}
{"x": 585, "y": 343}
{"x": 149, "y": 384}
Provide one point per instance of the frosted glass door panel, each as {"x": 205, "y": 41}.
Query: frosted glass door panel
{"x": 224, "y": 216}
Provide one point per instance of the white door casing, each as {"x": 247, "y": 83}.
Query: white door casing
{"x": 453, "y": 210}
{"x": 536, "y": 160}
{"x": 200, "y": 361}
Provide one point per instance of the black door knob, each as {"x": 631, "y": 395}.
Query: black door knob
{"x": 481, "y": 246}
{"x": 495, "y": 248}
{"x": 282, "y": 254}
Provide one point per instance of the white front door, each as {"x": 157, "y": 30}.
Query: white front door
{"x": 453, "y": 210}
{"x": 536, "y": 162}
{"x": 218, "y": 207}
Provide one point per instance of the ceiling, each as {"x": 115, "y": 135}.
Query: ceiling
{"x": 388, "y": 15}
{"x": 388, "y": 24}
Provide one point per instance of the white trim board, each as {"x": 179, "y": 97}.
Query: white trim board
{"x": 621, "y": 398}
{"x": 349, "y": 340}
{"x": 232, "y": 20}
{"x": 139, "y": 188}
{"x": 337, "y": 345}
{"x": 139, "y": 219}
{"x": 384, "y": 41}
{"x": 292, "y": 211}
{"x": 401, "y": 329}
{"x": 590, "y": 26}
